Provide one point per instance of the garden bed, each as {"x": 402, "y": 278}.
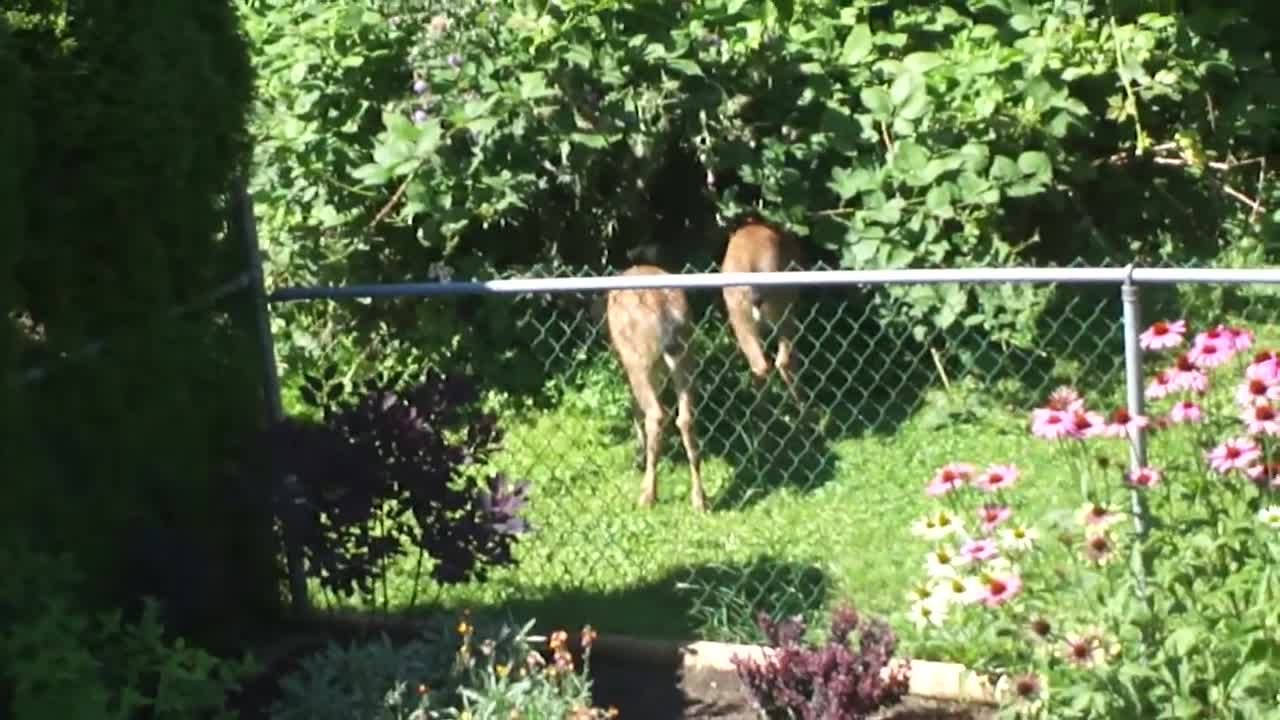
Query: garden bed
{"x": 642, "y": 679}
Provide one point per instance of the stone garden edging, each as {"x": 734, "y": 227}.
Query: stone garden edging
{"x": 929, "y": 679}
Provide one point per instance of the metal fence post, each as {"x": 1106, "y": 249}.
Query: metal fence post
{"x": 1131, "y": 301}
{"x": 242, "y": 205}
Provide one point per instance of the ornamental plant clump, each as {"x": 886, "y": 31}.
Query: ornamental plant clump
{"x": 1156, "y": 596}
{"x": 837, "y": 680}
{"x": 395, "y": 470}
{"x": 460, "y": 671}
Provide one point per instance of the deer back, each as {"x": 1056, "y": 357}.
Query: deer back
{"x": 646, "y": 323}
{"x": 757, "y": 246}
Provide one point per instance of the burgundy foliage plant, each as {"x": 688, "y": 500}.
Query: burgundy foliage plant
{"x": 837, "y": 680}
{"x": 392, "y": 473}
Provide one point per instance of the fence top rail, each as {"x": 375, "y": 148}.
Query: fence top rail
{"x": 715, "y": 280}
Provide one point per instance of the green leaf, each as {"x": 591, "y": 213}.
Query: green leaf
{"x": 903, "y": 86}
{"x": 371, "y": 173}
{"x": 592, "y": 140}
{"x": 686, "y": 66}
{"x": 922, "y": 62}
{"x": 785, "y": 9}
{"x": 399, "y": 126}
{"x": 861, "y": 250}
{"x": 916, "y": 105}
{"x": 1004, "y": 170}
{"x": 1022, "y": 22}
{"x": 533, "y": 85}
{"x": 938, "y": 200}
{"x": 877, "y": 101}
{"x": 909, "y": 157}
{"x": 1036, "y": 164}
{"x": 857, "y": 45}
{"x": 846, "y": 183}
{"x": 482, "y": 125}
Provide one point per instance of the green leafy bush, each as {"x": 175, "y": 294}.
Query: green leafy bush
{"x": 67, "y": 662}
{"x": 560, "y": 136}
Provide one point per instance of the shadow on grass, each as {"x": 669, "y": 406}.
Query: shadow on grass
{"x": 698, "y": 602}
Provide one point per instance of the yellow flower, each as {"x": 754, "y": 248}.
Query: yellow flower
{"x": 464, "y": 628}
{"x": 501, "y": 669}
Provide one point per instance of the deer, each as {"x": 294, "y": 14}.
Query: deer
{"x": 650, "y": 331}
{"x": 757, "y": 246}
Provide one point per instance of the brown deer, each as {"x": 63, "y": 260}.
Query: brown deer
{"x": 756, "y": 246}
{"x": 650, "y": 330}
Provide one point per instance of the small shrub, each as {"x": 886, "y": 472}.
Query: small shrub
{"x": 474, "y": 674}
{"x": 1156, "y": 596}
{"x": 833, "y": 681}
{"x": 67, "y": 662}
{"x": 394, "y": 470}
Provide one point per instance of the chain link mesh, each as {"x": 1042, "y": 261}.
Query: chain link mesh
{"x": 667, "y": 570}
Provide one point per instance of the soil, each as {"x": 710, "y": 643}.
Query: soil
{"x": 642, "y": 690}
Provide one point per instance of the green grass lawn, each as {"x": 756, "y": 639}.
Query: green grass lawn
{"x": 801, "y": 518}
{"x": 839, "y": 530}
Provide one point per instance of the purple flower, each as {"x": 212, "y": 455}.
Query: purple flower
{"x": 455, "y": 59}
{"x": 419, "y": 115}
{"x": 419, "y": 86}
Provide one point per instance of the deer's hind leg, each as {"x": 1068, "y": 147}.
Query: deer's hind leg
{"x": 681, "y": 377}
{"x": 650, "y": 410}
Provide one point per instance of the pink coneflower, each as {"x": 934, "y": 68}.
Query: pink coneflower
{"x": 992, "y": 515}
{"x": 997, "y": 477}
{"x": 1084, "y": 649}
{"x": 1160, "y": 385}
{"x": 1261, "y": 419}
{"x": 1146, "y": 477}
{"x": 999, "y": 589}
{"x": 1234, "y": 453}
{"x": 1064, "y": 398}
{"x": 1216, "y": 334}
{"x": 1241, "y": 338}
{"x": 1084, "y": 424}
{"x": 1098, "y": 547}
{"x": 1123, "y": 424}
{"x": 1185, "y": 374}
{"x": 1210, "y": 354}
{"x": 1184, "y": 411}
{"x": 1265, "y": 474}
{"x": 949, "y": 477}
{"x": 1266, "y": 369}
{"x": 1049, "y": 423}
{"x": 1163, "y": 334}
{"x": 1096, "y": 515}
{"x": 979, "y": 550}
{"x": 1254, "y": 391}
{"x": 1025, "y": 693}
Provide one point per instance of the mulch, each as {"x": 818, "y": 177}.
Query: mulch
{"x": 644, "y": 690}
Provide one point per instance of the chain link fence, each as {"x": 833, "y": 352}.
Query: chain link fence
{"x": 805, "y": 505}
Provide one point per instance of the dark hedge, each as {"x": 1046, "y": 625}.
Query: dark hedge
{"x": 122, "y": 125}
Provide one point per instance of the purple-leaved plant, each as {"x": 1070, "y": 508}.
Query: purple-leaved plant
{"x": 833, "y": 681}
{"x": 395, "y": 472}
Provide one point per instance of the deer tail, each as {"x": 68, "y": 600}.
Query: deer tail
{"x": 675, "y": 331}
